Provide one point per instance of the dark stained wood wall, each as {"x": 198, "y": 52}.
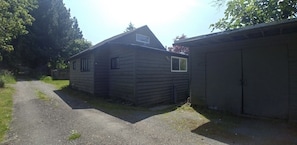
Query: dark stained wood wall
{"x": 155, "y": 81}
{"x": 121, "y": 81}
{"x": 144, "y": 75}
{"x": 101, "y": 74}
{"x": 83, "y": 81}
{"x": 198, "y": 66}
{"x": 292, "y": 46}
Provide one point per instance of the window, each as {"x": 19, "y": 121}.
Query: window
{"x": 142, "y": 38}
{"x": 114, "y": 63}
{"x": 178, "y": 64}
{"x": 84, "y": 64}
{"x": 74, "y": 65}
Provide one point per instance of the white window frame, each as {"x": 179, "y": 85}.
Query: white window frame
{"x": 179, "y": 58}
{"x": 141, "y": 38}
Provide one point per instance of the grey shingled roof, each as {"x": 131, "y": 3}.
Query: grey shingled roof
{"x": 105, "y": 42}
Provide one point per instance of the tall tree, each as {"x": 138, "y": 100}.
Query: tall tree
{"x": 240, "y": 13}
{"x": 178, "y": 48}
{"x": 14, "y": 16}
{"x": 51, "y": 37}
{"x": 130, "y": 27}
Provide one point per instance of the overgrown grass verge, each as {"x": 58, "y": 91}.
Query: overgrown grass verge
{"x": 42, "y": 96}
{"x": 74, "y": 135}
{"x": 59, "y": 84}
{"x": 6, "y": 101}
{"x": 5, "y": 110}
{"x": 6, "y": 77}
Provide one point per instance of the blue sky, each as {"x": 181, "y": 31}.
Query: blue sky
{"x": 101, "y": 19}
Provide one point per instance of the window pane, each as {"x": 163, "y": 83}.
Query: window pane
{"x": 142, "y": 38}
{"x": 183, "y": 64}
{"x": 74, "y": 65}
{"x": 84, "y": 64}
{"x": 175, "y": 64}
{"x": 115, "y": 63}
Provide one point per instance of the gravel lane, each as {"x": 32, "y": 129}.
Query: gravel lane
{"x": 49, "y": 122}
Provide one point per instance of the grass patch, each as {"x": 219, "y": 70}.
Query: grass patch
{"x": 6, "y": 77}
{"x": 42, "y": 96}
{"x": 59, "y": 84}
{"x": 74, "y": 135}
{"x": 186, "y": 107}
{"x": 201, "y": 120}
{"x": 5, "y": 109}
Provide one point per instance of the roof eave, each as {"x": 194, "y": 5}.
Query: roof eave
{"x": 234, "y": 35}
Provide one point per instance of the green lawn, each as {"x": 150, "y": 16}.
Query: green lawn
{"x": 5, "y": 110}
{"x": 59, "y": 84}
{"x": 6, "y": 102}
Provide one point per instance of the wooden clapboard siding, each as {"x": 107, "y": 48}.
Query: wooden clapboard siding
{"x": 83, "y": 81}
{"x": 131, "y": 38}
{"x": 154, "y": 79}
{"x": 101, "y": 74}
{"x": 198, "y": 66}
{"x": 121, "y": 81}
{"x": 293, "y": 78}
{"x": 140, "y": 77}
{"x": 197, "y": 75}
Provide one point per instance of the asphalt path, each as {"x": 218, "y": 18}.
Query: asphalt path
{"x": 51, "y": 121}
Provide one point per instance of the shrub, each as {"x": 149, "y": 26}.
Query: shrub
{"x": 1, "y": 83}
{"x": 6, "y": 77}
{"x": 46, "y": 78}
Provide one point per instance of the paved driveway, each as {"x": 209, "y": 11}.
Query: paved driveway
{"x": 50, "y": 121}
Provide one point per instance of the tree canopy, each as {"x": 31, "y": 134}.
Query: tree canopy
{"x": 130, "y": 27}
{"x": 241, "y": 13}
{"x": 14, "y": 17}
{"x": 178, "y": 48}
{"x": 53, "y": 37}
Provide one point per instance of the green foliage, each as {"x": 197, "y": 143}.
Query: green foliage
{"x": 2, "y": 83}
{"x": 130, "y": 27}
{"x": 6, "y": 77}
{"x": 59, "y": 84}
{"x": 42, "y": 96}
{"x": 241, "y": 13}
{"x": 5, "y": 110}
{"x": 46, "y": 78}
{"x": 14, "y": 16}
{"x": 53, "y": 38}
{"x": 73, "y": 135}
{"x": 177, "y": 48}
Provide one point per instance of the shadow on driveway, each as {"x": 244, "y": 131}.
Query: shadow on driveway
{"x": 124, "y": 112}
{"x": 220, "y": 126}
{"x": 232, "y": 129}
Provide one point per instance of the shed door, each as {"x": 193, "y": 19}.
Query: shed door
{"x": 223, "y": 86}
{"x": 266, "y": 73}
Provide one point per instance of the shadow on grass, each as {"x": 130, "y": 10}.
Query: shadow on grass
{"x": 231, "y": 129}
{"x": 80, "y": 100}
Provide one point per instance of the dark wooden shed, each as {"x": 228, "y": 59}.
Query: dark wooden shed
{"x": 252, "y": 70}
{"x": 134, "y": 66}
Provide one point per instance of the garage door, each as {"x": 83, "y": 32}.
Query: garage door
{"x": 223, "y": 86}
{"x": 265, "y": 71}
